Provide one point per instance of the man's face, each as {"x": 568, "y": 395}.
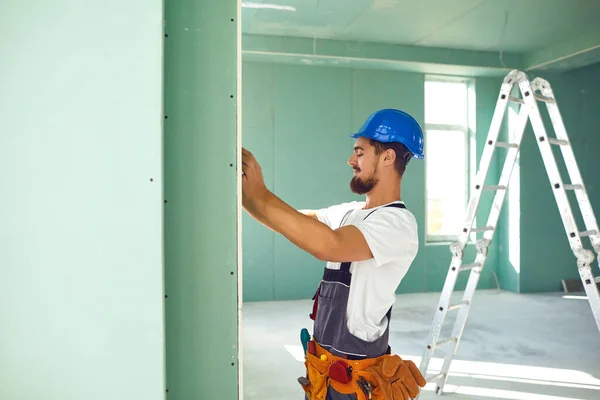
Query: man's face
{"x": 364, "y": 163}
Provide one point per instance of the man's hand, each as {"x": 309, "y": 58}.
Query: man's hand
{"x": 254, "y": 191}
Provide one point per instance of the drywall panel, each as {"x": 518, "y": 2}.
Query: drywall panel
{"x": 81, "y": 188}
{"x": 202, "y": 233}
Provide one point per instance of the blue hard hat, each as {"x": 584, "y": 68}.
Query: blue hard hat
{"x": 390, "y": 125}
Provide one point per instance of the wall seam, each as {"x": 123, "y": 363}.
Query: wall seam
{"x": 273, "y": 80}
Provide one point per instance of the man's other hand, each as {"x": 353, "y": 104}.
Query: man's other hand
{"x": 254, "y": 190}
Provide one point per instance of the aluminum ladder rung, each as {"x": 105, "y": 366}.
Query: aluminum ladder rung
{"x": 494, "y": 187}
{"x": 483, "y": 229}
{"x": 588, "y": 233}
{"x": 507, "y": 145}
{"x": 459, "y": 305}
{"x": 545, "y": 99}
{"x": 443, "y": 342}
{"x": 467, "y": 267}
{"x": 537, "y": 97}
{"x": 573, "y": 187}
{"x": 434, "y": 377}
{"x": 516, "y": 100}
{"x": 558, "y": 142}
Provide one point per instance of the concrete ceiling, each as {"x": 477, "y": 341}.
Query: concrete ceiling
{"x": 531, "y": 34}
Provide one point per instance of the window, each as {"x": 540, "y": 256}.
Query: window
{"x": 447, "y": 149}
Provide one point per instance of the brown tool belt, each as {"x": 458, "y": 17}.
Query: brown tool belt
{"x": 383, "y": 378}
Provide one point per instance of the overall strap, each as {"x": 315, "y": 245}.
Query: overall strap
{"x": 346, "y": 265}
{"x": 394, "y": 205}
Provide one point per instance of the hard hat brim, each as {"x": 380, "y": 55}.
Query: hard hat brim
{"x": 389, "y": 139}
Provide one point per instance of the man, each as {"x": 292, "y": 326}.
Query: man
{"x": 368, "y": 247}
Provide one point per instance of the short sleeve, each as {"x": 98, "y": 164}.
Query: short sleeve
{"x": 332, "y": 216}
{"x": 392, "y": 235}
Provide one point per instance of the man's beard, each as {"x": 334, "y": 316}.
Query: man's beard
{"x": 362, "y": 186}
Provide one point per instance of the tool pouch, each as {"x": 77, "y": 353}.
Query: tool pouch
{"x": 317, "y": 373}
{"x": 339, "y": 371}
{"x": 397, "y": 379}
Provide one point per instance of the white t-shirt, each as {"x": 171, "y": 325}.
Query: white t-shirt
{"x": 392, "y": 235}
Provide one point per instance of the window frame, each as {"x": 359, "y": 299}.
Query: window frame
{"x": 469, "y": 132}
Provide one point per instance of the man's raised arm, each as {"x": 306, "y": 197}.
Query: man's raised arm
{"x": 310, "y": 213}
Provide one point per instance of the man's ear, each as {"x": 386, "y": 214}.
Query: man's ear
{"x": 390, "y": 157}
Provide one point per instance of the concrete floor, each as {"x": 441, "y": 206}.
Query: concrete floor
{"x": 517, "y": 347}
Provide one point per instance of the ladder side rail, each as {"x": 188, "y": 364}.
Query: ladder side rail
{"x": 440, "y": 313}
{"x": 558, "y": 188}
{"x": 458, "y": 247}
{"x": 483, "y": 245}
{"x": 581, "y": 194}
{"x": 591, "y": 289}
{"x": 486, "y": 158}
{"x": 506, "y": 174}
{"x": 584, "y": 257}
{"x": 459, "y": 323}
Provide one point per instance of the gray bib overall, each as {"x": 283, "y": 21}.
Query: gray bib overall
{"x": 330, "y": 327}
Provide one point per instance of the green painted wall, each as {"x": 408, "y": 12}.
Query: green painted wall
{"x": 546, "y": 257}
{"x": 296, "y": 121}
{"x": 81, "y": 184}
{"x": 201, "y": 199}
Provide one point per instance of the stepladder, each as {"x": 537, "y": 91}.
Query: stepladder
{"x": 528, "y": 96}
